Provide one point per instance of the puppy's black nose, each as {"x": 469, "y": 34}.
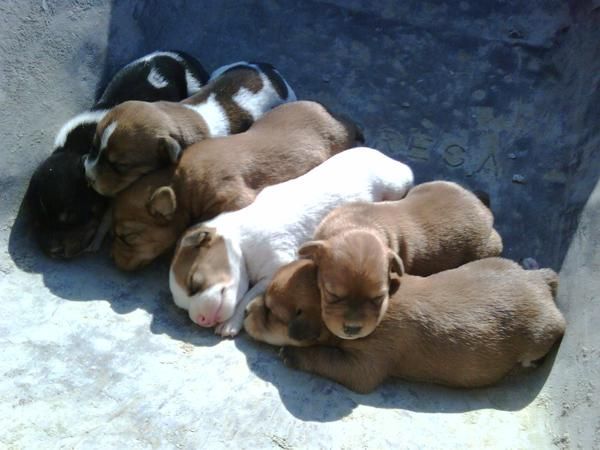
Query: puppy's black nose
{"x": 351, "y": 330}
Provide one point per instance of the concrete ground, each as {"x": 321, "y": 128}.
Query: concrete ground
{"x": 499, "y": 95}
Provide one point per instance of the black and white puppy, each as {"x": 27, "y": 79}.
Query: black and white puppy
{"x": 69, "y": 216}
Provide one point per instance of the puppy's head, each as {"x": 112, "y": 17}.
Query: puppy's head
{"x": 357, "y": 273}
{"x": 65, "y": 211}
{"x": 146, "y": 221}
{"x": 290, "y": 311}
{"x": 132, "y": 139}
{"x": 202, "y": 276}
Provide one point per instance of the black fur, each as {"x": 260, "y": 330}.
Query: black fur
{"x": 66, "y": 212}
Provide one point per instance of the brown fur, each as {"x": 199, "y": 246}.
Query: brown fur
{"x": 194, "y": 247}
{"x": 465, "y": 327}
{"x": 152, "y": 135}
{"x": 226, "y": 174}
{"x": 437, "y": 226}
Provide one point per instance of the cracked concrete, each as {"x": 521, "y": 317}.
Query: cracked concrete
{"x": 476, "y": 92}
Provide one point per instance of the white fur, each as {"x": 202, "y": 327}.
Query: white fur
{"x": 91, "y": 164}
{"x": 213, "y": 114}
{"x": 266, "y": 234}
{"x": 156, "y": 79}
{"x": 85, "y": 117}
{"x": 193, "y": 84}
{"x": 153, "y": 55}
{"x": 106, "y": 134}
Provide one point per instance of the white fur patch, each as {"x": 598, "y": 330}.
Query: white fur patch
{"x": 90, "y": 164}
{"x": 260, "y": 102}
{"x": 108, "y": 131}
{"x": 214, "y": 115}
{"x": 156, "y": 79}
{"x": 193, "y": 84}
{"x": 85, "y": 117}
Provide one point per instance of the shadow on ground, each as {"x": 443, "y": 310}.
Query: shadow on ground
{"x": 311, "y": 398}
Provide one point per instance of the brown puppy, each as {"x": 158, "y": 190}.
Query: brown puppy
{"x": 437, "y": 226}
{"x": 289, "y": 313}
{"x": 466, "y": 327}
{"x": 135, "y": 137}
{"x": 223, "y": 174}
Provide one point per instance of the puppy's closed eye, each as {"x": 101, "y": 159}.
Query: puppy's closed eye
{"x": 377, "y": 301}
{"x": 332, "y": 298}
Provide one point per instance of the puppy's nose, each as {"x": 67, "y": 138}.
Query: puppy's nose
{"x": 204, "y": 321}
{"x": 351, "y": 330}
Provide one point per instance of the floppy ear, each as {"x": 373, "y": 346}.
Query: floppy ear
{"x": 312, "y": 250}
{"x": 198, "y": 237}
{"x": 396, "y": 271}
{"x": 162, "y": 203}
{"x": 170, "y": 148}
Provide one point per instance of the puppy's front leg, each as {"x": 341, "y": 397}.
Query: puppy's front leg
{"x": 101, "y": 231}
{"x": 356, "y": 373}
{"x": 233, "y": 325}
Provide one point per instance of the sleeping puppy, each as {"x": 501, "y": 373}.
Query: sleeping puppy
{"x": 466, "y": 327}
{"x": 216, "y": 262}
{"x": 223, "y": 174}
{"x": 135, "y": 138}
{"x": 361, "y": 246}
{"x": 66, "y": 212}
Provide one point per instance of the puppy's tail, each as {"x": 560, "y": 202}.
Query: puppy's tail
{"x": 551, "y": 279}
{"x": 354, "y": 130}
{"x": 484, "y": 197}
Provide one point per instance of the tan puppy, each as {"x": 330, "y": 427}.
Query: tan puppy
{"x": 135, "y": 137}
{"x": 223, "y": 174}
{"x": 359, "y": 247}
{"x": 466, "y": 327}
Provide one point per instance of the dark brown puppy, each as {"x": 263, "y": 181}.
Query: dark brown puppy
{"x": 223, "y": 174}
{"x": 359, "y": 247}
{"x": 466, "y": 327}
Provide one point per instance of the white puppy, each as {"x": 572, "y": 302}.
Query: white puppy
{"x": 216, "y": 262}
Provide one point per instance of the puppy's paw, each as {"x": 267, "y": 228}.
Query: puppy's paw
{"x": 256, "y": 304}
{"x": 290, "y": 357}
{"x": 230, "y": 328}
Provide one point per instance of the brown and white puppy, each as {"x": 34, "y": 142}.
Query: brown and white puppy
{"x": 223, "y": 174}
{"x": 135, "y": 137}
{"x": 359, "y": 247}
{"x": 466, "y": 327}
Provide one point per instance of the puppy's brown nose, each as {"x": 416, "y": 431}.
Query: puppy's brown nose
{"x": 351, "y": 330}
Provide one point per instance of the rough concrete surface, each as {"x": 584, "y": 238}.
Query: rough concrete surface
{"x": 499, "y": 95}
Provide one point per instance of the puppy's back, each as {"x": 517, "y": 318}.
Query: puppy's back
{"x": 470, "y": 326}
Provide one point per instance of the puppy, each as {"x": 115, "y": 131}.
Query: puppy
{"x": 465, "y": 327}
{"x": 360, "y": 246}
{"x": 66, "y": 212}
{"x": 223, "y": 174}
{"x": 137, "y": 137}
{"x": 216, "y": 262}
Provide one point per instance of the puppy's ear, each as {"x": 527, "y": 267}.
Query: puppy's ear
{"x": 162, "y": 203}
{"x": 170, "y": 148}
{"x": 312, "y": 250}
{"x": 396, "y": 271}
{"x": 198, "y": 237}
